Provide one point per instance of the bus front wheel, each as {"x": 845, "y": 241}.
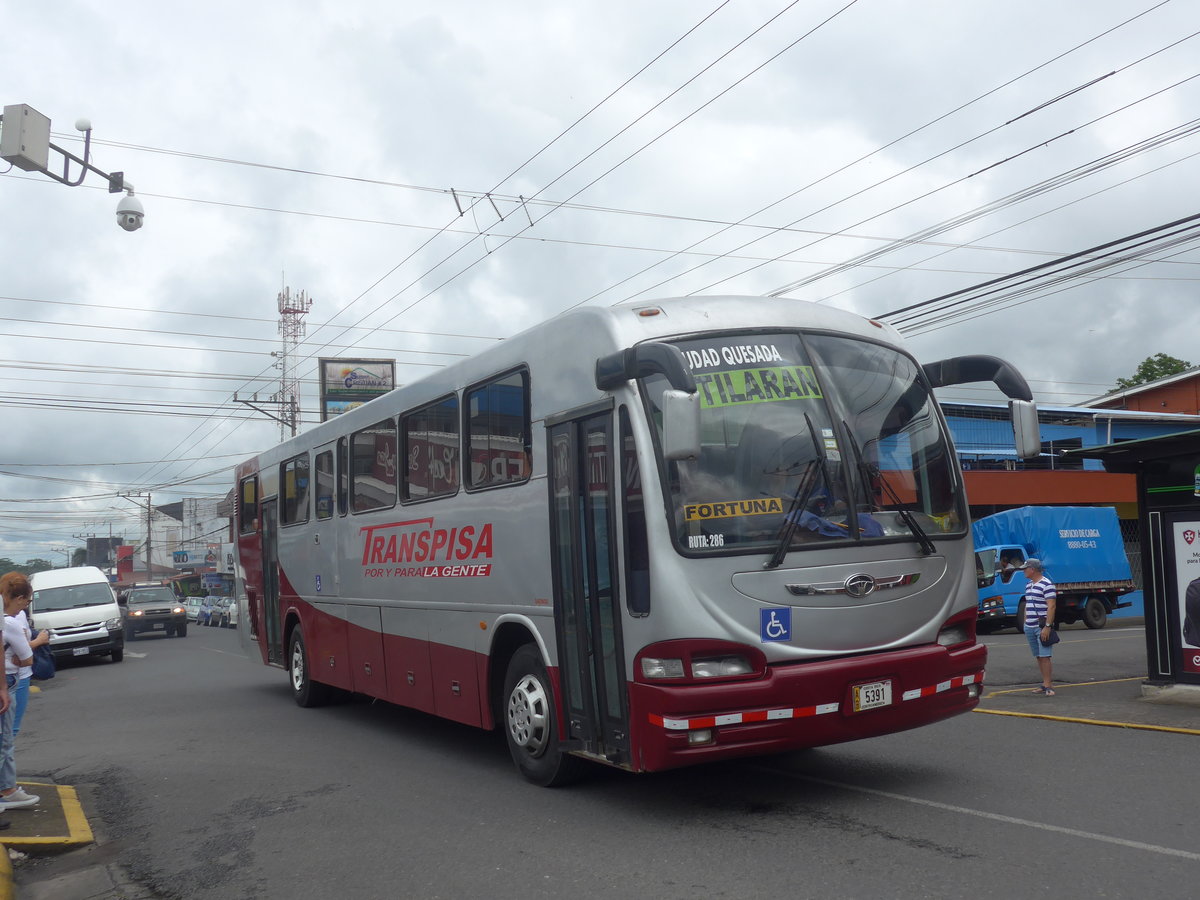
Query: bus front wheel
{"x": 305, "y": 691}
{"x": 531, "y": 724}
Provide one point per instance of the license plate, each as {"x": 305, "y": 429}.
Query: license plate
{"x": 80, "y": 651}
{"x": 872, "y": 696}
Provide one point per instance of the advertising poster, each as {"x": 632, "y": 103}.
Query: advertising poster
{"x": 1187, "y": 574}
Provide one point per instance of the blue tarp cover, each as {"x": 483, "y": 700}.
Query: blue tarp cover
{"x": 1074, "y": 543}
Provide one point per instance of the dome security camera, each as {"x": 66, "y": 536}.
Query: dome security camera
{"x": 130, "y": 212}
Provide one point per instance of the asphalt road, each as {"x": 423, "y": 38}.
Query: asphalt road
{"x": 203, "y": 780}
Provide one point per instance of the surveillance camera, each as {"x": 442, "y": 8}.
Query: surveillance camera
{"x": 130, "y": 213}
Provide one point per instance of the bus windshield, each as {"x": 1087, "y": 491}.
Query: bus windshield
{"x": 806, "y": 440}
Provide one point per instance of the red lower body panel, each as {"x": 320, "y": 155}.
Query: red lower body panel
{"x": 800, "y": 705}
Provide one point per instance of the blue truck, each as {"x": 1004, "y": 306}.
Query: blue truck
{"x": 1081, "y": 549}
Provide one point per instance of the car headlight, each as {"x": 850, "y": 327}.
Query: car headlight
{"x": 136, "y": 612}
{"x": 177, "y": 610}
{"x": 113, "y": 624}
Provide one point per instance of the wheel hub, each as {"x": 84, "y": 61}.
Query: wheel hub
{"x": 528, "y": 716}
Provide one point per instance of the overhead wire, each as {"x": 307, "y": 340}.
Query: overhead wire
{"x": 856, "y": 162}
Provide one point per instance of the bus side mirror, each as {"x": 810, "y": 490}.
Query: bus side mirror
{"x": 681, "y": 424}
{"x": 1026, "y": 433}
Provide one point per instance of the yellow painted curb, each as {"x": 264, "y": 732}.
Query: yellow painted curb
{"x": 79, "y": 831}
{"x": 6, "y": 875}
{"x": 1021, "y": 715}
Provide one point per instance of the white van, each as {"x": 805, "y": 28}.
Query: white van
{"x": 80, "y": 609}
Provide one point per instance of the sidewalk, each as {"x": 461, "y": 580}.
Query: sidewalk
{"x": 57, "y": 824}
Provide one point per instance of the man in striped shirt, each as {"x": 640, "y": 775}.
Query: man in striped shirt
{"x": 1040, "y": 598}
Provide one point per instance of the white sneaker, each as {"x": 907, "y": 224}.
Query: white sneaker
{"x": 20, "y": 794}
{"x": 8, "y": 802}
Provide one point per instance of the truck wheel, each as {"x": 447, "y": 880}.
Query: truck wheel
{"x": 1095, "y": 613}
{"x": 305, "y": 691}
{"x": 1020, "y": 622}
{"x": 531, "y": 722}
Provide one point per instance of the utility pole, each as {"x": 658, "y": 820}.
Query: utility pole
{"x": 149, "y": 512}
{"x": 66, "y": 551}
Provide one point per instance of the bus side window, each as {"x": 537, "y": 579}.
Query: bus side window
{"x": 248, "y": 506}
{"x": 293, "y": 489}
{"x": 637, "y": 546}
{"x": 498, "y": 431}
{"x": 324, "y": 484}
{"x": 429, "y": 440}
{"x": 343, "y": 478}
{"x": 373, "y": 483}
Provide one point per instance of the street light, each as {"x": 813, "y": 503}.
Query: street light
{"x": 25, "y": 143}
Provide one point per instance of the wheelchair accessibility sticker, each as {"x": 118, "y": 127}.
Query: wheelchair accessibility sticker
{"x": 775, "y": 624}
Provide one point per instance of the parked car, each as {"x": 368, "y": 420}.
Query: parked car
{"x": 214, "y": 612}
{"x": 231, "y": 613}
{"x": 204, "y": 614}
{"x": 153, "y": 606}
{"x": 192, "y": 604}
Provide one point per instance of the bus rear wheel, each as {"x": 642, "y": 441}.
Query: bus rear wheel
{"x": 305, "y": 691}
{"x": 531, "y": 724}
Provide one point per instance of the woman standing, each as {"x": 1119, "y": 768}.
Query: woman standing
{"x": 17, "y": 653}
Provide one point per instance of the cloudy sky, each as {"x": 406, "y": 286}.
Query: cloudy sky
{"x": 438, "y": 176}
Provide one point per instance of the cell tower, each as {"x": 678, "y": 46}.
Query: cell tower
{"x": 292, "y": 311}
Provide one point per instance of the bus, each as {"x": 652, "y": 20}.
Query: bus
{"x": 650, "y": 535}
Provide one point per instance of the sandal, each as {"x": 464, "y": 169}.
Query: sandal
{"x": 1049, "y": 692}
{"x": 1038, "y": 690}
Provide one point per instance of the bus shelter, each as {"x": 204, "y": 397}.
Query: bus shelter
{"x": 1168, "y": 493}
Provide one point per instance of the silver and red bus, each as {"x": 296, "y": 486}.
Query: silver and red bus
{"x": 648, "y": 535}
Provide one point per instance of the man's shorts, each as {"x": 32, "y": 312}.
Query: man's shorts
{"x": 1033, "y": 634}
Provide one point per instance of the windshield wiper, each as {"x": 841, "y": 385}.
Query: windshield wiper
{"x": 873, "y": 472}
{"x": 804, "y": 490}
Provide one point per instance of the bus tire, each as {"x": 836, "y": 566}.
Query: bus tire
{"x": 1095, "y": 613}
{"x": 531, "y": 722}
{"x": 305, "y": 691}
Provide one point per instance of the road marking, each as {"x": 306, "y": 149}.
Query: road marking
{"x": 994, "y": 817}
{"x": 1065, "y": 640}
{"x": 135, "y": 655}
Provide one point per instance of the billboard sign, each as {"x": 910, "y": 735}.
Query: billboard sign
{"x": 347, "y": 383}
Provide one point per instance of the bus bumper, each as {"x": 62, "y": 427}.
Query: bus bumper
{"x": 799, "y": 705}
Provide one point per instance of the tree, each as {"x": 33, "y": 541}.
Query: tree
{"x": 79, "y": 557}
{"x": 30, "y": 566}
{"x": 1160, "y": 365}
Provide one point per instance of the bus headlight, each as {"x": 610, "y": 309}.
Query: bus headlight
{"x": 721, "y": 667}
{"x": 662, "y": 668}
{"x": 112, "y": 625}
{"x": 954, "y": 634}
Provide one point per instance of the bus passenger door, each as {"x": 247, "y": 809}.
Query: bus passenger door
{"x": 272, "y": 629}
{"x": 587, "y": 608}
